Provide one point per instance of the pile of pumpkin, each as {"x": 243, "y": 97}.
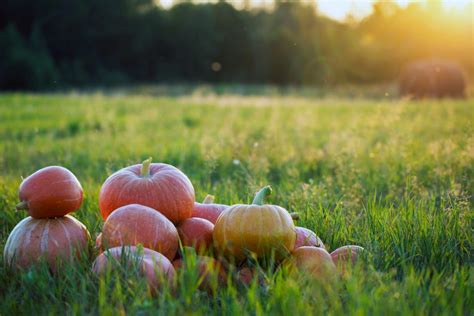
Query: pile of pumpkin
{"x": 151, "y": 217}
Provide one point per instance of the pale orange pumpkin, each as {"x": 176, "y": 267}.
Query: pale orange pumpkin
{"x": 135, "y": 224}
{"x": 258, "y": 230}
{"x": 157, "y": 185}
{"x": 55, "y": 240}
{"x": 306, "y": 237}
{"x": 345, "y": 255}
{"x": 155, "y": 267}
{"x": 314, "y": 262}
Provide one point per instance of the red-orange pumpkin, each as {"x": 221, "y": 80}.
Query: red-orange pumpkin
{"x": 313, "y": 261}
{"x": 197, "y": 233}
{"x": 306, "y": 237}
{"x": 158, "y": 185}
{"x": 136, "y": 224}
{"x": 346, "y": 255}
{"x": 55, "y": 240}
{"x": 208, "y": 210}
{"x": 209, "y": 271}
{"x": 155, "y": 267}
{"x": 50, "y": 192}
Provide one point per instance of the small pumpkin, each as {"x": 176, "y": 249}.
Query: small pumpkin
{"x": 315, "y": 262}
{"x": 155, "y": 267}
{"x": 197, "y": 233}
{"x": 208, "y": 209}
{"x": 156, "y": 185}
{"x": 56, "y": 240}
{"x": 50, "y": 192}
{"x": 258, "y": 229}
{"x": 346, "y": 255}
{"x": 135, "y": 224}
{"x": 306, "y": 237}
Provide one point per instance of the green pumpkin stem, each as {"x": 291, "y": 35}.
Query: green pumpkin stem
{"x": 261, "y": 195}
{"x": 145, "y": 172}
{"x": 208, "y": 199}
{"x": 23, "y": 205}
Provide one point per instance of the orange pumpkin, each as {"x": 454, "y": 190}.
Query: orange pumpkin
{"x": 138, "y": 224}
{"x": 56, "y": 240}
{"x": 208, "y": 210}
{"x": 158, "y": 185}
{"x": 197, "y": 233}
{"x": 155, "y": 267}
{"x": 209, "y": 270}
{"x": 346, "y": 255}
{"x": 313, "y": 261}
{"x": 306, "y": 237}
{"x": 261, "y": 230}
{"x": 50, "y": 192}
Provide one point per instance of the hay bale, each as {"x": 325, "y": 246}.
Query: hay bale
{"x": 432, "y": 78}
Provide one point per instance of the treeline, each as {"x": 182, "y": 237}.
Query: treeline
{"x": 57, "y": 43}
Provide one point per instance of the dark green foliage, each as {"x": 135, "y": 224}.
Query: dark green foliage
{"x": 51, "y": 43}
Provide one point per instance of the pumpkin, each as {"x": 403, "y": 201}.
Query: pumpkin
{"x": 158, "y": 185}
{"x": 210, "y": 271}
{"x": 246, "y": 275}
{"x": 197, "y": 233}
{"x": 155, "y": 267}
{"x": 259, "y": 229}
{"x": 208, "y": 210}
{"x": 315, "y": 262}
{"x": 55, "y": 240}
{"x": 346, "y": 255}
{"x": 306, "y": 237}
{"x": 98, "y": 242}
{"x": 50, "y": 192}
{"x": 138, "y": 224}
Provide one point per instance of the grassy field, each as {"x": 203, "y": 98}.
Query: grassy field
{"x": 393, "y": 176}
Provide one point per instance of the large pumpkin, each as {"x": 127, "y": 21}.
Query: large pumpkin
{"x": 50, "y": 192}
{"x": 138, "y": 224}
{"x": 208, "y": 210}
{"x": 55, "y": 240}
{"x": 158, "y": 185}
{"x": 259, "y": 229}
{"x": 155, "y": 267}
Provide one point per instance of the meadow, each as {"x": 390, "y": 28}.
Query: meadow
{"x": 394, "y": 176}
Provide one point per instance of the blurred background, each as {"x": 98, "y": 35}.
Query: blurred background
{"x": 57, "y": 44}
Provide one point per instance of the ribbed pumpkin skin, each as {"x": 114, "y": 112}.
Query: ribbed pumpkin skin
{"x": 33, "y": 239}
{"x": 155, "y": 267}
{"x": 166, "y": 189}
{"x": 135, "y": 224}
{"x": 306, "y": 237}
{"x": 261, "y": 229}
{"x": 51, "y": 192}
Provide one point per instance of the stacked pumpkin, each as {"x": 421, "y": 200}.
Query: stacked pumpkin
{"x": 48, "y": 195}
{"x": 151, "y": 218}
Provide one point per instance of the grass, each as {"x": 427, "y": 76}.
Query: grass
{"x": 393, "y": 176}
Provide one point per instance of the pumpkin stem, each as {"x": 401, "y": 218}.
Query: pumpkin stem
{"x": 261, "y": 195}
{"x": 295, "y": 216}
{"x": 23, "y": 205}
{"x": 145, "y": 172}
{"x": 208, "y": 199}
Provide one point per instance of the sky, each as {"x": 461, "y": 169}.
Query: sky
{"x": 338, "y": 9}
